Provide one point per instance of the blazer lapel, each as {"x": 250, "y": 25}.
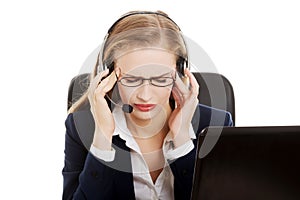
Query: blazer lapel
{"x": 124, "y": 177}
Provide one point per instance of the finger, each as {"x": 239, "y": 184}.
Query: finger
{"x": 177, "y": 97}
{"x": 94, "y": 83}
{"x": 96, "y": 80}
{"x": 183, "y": 89}
{"x": 106, "y": 84}
{"x": 194, "y": 86}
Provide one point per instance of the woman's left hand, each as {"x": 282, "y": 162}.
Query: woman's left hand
{"x": 186, "y": 103}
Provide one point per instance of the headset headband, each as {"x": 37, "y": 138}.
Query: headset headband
{"x": 182, "y": 60}
{"x": 138, "y": 13}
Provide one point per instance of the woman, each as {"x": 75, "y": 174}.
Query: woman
{"x": 143, "y": 146}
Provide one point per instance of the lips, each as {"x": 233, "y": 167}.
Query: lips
{"x": 144, "y": 107}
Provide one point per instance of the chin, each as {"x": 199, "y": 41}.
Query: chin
{"x": 144, "y": 115}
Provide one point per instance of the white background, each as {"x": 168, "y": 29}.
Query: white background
{"x": 43, "y": 44}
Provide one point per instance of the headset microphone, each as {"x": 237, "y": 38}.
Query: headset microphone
{"x": 125, "y": 107}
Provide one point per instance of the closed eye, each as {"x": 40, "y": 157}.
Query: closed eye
{"x": 161, "y": 79}
{"x": 131, "y": 79}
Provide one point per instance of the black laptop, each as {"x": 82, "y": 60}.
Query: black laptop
{"x": 257, "y": 163}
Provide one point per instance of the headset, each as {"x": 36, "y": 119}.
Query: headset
{"x": 181, "y": 62}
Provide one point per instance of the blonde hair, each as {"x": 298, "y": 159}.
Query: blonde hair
{"x": 137, "y": 29}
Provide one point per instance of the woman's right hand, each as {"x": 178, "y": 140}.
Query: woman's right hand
{"x": 104, "y": 121}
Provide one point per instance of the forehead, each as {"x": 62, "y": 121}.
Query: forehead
{"x": 146, "y": 62}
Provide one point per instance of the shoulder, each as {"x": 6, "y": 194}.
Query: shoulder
{"x": 208, "y": 116}
{"x": 80, "y": 127}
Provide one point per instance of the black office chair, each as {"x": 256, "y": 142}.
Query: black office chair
{"x": 215, "y": 90}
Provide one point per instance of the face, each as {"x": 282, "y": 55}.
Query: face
{"x": 148, "y": 100}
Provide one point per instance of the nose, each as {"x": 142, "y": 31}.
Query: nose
{"x": 144, "y": 92}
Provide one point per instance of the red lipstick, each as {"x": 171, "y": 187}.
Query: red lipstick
{"x": 144, "y": 107}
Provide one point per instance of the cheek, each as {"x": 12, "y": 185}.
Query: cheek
{"x": 126, "y": 93}
{"x": 163, "y": 94}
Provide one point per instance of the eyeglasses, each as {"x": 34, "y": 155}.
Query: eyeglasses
{"x": 160, "y": 81}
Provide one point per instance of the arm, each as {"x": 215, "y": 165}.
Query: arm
{"x": 84, "y": 176}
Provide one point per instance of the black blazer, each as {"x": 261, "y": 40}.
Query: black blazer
{"x": 86, "y": 177}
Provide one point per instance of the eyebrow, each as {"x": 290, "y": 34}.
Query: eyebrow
{"x": 129, "y": 75}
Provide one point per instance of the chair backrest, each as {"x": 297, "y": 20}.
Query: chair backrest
{"x": 215, "y": 90}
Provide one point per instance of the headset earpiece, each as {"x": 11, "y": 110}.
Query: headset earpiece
{"x": 181, "y": 65}
{"x": 111, "y": 68}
